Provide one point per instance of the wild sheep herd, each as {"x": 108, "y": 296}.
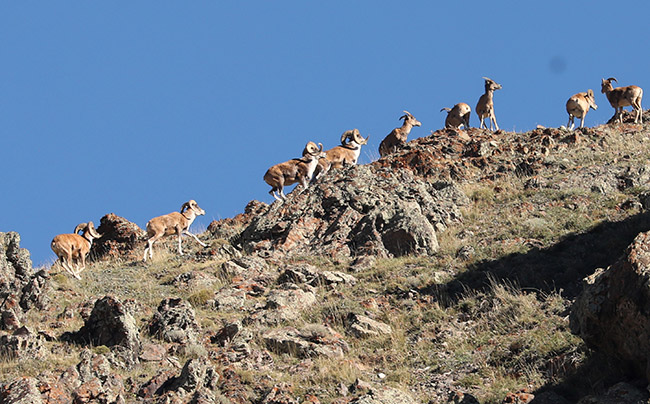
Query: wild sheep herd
{"x": 71, "y": 249}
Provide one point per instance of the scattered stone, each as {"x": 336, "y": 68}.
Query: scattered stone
{"x": 365, "y": 327}
{"x": 314, "y": 340}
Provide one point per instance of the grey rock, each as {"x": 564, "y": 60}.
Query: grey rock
{"x": 175, "y": 321}
{"x": 365, "y": 327}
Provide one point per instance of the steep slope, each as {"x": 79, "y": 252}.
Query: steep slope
{"x": 442, "y": 273}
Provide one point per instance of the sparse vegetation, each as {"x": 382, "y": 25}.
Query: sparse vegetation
{"x": 487, "y": 314}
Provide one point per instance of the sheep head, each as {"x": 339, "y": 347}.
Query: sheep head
{"x": 193, "y": 206}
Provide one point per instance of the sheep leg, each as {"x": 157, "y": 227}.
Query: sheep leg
{"x": 195, "y": 238}
{"x": 149, "y": 248}
{"x": 493, "y": 119}
{"x": 582, "y": 121}
{"x": 180, "y": 236}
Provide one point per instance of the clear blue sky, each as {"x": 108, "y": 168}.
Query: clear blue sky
{"x": 136, "y": 107}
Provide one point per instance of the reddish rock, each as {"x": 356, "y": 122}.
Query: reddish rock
{"x": 119, "y": 238}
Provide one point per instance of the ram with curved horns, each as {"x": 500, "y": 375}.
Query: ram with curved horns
{"x": 173, "y": 223}
{"x": 344, "y": 155}
{"x": 298, "y": 170}
{"x": 73, "y": 248}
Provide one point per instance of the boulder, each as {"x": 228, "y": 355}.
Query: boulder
{"x": 175, "y": 321}
{"x": 612, "y": 314}
{"x": 119, "y": 238}
{"x": 110, "y": 324}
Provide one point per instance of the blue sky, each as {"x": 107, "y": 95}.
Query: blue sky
{"x": 136, "y": 107}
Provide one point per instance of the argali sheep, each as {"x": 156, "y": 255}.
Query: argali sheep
{"x": 620, "y": 97}
{"x": 345, "y": 154}
{"x": 578, "y": 105}
{"x": 485, "y": 105}
{"x": 173, "y": 223}
{"x": 397, "y": 137}
{"x": 299, "y": 170}
{"x": 457, "y": 116}
{"x": 73, "y": 248}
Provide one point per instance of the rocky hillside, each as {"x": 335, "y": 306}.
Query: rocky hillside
{"x": 468, "y": 267}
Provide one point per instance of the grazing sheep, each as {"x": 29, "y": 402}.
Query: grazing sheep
{"x": 397, "y": 137}
{"x": 173, "y": 223}
{"x": 294, "y": 171}
{"x": 457, "y": 116}
{"x": 620, "y": 97}
{"x": 485, "y": 105}
{"x": 578, "y": 105}
{"x": 73, "y": 248}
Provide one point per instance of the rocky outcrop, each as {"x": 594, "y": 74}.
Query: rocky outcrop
{"x": 613, "y": 312}
{"x": 360, "y": 210}
{"x": 119, "y": 238}
{"x": 21, "y": 287}
{"x": 110, "y": 324}
{"x": 175, "y": 321}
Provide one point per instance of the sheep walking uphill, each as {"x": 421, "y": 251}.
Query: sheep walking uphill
{"x": 294, "y": 171}
{"x": 345, "y": 154}
{"x": 173, "y": 223}
{"x": 73, "y": 248}
{"x": 620, "y": 97}
{"x": 457, "y": 116}
{"x": 397, "y": 137}
{"x": 485, "y": 105}
{"x": 578, "y": 105}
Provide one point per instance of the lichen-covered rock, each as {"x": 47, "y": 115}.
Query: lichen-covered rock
{"x": 21, "y": 344}
{"x": 175, "y": 321}
{"x": 21, "y": 288}
{"x": 311, "y": 340}
{"x": 365, "y": 327}
{"x": 111, "y": 324}
{"x": 21, "y": 391}
{"x": 120, "y": 238}
{"x": 612, "y": 314}
{"x": 359, "y": 210}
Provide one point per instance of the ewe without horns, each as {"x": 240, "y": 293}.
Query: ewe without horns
{"x": 173, "y": 223}
{"x": 73, "y": 248}
{"x": 578, "y": 105}
{"x": 457, "y": 116}
{"x": 397, "y": 137}
{"x": 620, "y": 97}
{"x": 485, "y": 105}
{"x": 296, "y": 170}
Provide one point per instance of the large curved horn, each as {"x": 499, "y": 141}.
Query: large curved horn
{"x": 320, "y": 148}
{"x": 92, "y": 231}
{"x": 612, "y": 79}
{"x": 186, "y": 205}
{"x": 445, "y": 109}
{"x": 359, "y": 139}
{"x": 348, "y": 134}
{"x": 80, "y": 227}
{"x": 311, "y": 148}
{"x": 487, "y": 78}
{"x": 590, "y": 93}
{"x": 407, "y": 113}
